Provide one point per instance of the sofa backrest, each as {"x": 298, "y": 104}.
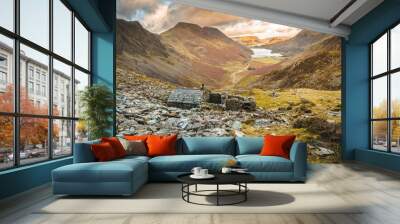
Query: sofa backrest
{"x": 249, "y": 145}
{"x": 207, "y": 145}
{"x": 83, "y": 152}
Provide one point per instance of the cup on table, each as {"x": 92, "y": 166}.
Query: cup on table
{"x": 203, "y": 172}
{"x": 196, "y": 171}
{"x": 226, "y": 170}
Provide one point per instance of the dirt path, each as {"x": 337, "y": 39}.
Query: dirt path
{"x": 235, "y": 77}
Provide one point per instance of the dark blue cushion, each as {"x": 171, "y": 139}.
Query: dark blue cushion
{"x": 83, "y": 152}
{"x": 249, "y": 145}
{"x": 185, "y": 163}
{"x": 208, "y": 145}
{"x": 257, "y": 163}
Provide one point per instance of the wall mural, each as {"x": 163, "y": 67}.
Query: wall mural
{"x": 195, "y": 72}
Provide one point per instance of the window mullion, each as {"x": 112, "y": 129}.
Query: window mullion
{"x": 371, "y": 140}
{"x": 73, "y": 81}
{"x": 389, "y": 104}
{"x": 50, "y": 81}
{"x": 16, "y": 70}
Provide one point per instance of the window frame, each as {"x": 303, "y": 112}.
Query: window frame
{"x": 388, "y": 74}
{"x": 16, "y": 114}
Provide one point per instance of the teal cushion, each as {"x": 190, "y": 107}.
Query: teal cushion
{"x": 130, "y": 158}
{"x": 208, "y": 145}
{"x": 112, "y": 171}
{"x": 249, "y": 145}
{"x": 257, "y": 163}
{"x": 185, "y": 163}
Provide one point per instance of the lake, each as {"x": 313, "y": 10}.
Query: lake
{"x": 263, "y": 52}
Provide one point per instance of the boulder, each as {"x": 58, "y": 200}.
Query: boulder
{"x": 249, "y": 105}
{"x": 215, "y": 98}
{"x": 233, "y": 104}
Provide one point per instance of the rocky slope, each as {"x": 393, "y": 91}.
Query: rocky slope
{"x": 142, "y": 108}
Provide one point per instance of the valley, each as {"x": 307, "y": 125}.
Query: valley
{"x": 295, "y": 83}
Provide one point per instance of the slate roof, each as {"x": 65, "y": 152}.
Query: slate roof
{"x": 185, "y": 98}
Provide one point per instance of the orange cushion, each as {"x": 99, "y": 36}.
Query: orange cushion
{"x": 116, "y": 145}
{"x": 103, "y": 152}
{"x": 277, "y": 145}
{"x": 136, "y": 137}
{"x": 161, "y": 145}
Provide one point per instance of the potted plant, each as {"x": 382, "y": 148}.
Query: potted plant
{"x": 97, "y": 104}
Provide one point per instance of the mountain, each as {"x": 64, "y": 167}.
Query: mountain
{"x": 133, "y": 38}
{"x": 254, "y": 41}
{"x": 318, "y": 66}
{"x": 143, "y": 52}
{"x": 186, "y": 55}
{"x": 297, "y": 44}
{"x": 205, "y": 45}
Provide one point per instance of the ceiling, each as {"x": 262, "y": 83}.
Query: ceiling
{"x": 326, "y": 16}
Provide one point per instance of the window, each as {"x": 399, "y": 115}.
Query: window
{"x": 3, "y": 71}
{"x": 35, "y": 21}
{"x": 3, "y": 61}
{"x": 30, "y": 88}
{"x": 47, "y": 76}
{"x": 6, "y": 74}
{"x": 38, "y": 89}
{"x": 6, "y": 142}
{"x": 62, "y": 29}
{"x": 62, "y": 74}
{"x": 81, "y": 45}
{"x": 31, "y": 76}
{"x": 81, "y": 82}
{"x": 3, "y": 78}
{"x": 385, "y": 94}
{"x": 62, "y": 137}
{"x": 7, "y": 14}
{"x": 37, "y": 74}
{"x": 44, "y": 91}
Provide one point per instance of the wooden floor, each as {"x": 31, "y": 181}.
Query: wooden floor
{"x": 377, "y": 188}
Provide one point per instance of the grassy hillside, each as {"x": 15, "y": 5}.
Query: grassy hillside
{"x": 296, "y": 44}
{"x": 317, "y": 67}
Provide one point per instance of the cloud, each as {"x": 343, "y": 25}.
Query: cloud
{"x": 160, "y": 15}
{"x": 158, "y": 20}
{"x": 258, "y": 28}
{"x": 166, "y": 16}
{"x": 128, "y": 9}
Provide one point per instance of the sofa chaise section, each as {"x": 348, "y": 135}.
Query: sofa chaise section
{"x": 87, "y": 177}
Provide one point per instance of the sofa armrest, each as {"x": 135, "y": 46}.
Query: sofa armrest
{"x": 83, "y": 152}
{"x": 298, "y": 155}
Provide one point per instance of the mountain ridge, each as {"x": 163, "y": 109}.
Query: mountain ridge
{"x": 186, "y": 54}
{"x": 190, "y": 55}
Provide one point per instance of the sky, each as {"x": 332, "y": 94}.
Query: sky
{"x": 158, "y": 16}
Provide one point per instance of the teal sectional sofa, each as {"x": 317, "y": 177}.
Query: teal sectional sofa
{"x": 125, "y": 176}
